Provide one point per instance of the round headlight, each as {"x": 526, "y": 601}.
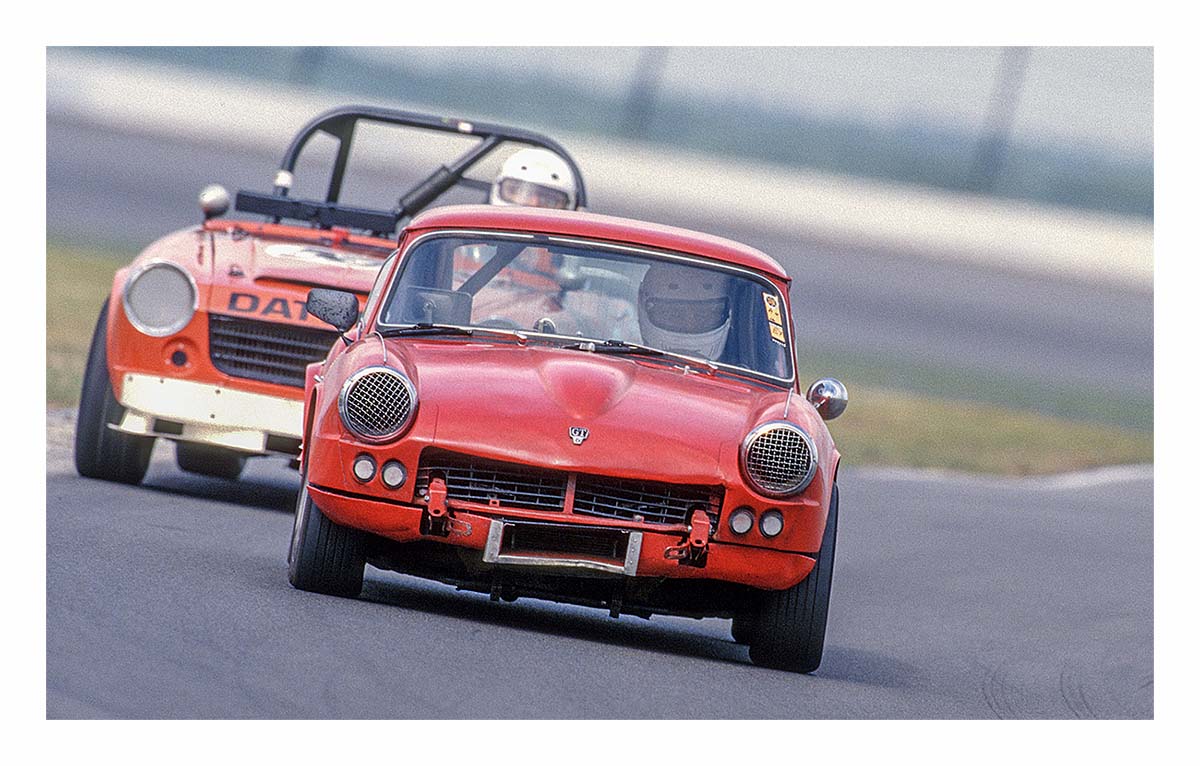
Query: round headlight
{"x": 771, "y": 523}
{"x": 377, "y": 403}
{"x": 160, "y": 299}
{"x": 779, "y": 459}
{"x": 393, "y": 474}
{"x": 364, "y": 468}
{"x": 741, "y": 521}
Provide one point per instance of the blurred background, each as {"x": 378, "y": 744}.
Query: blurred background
{"x": 970, "y": 229}
{"x": 1068, "y": 126}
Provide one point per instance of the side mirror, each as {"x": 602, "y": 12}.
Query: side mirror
{"x": 214, "y": 201}
{"x": 829, "y": 397}
{"x": 334, "y": 307}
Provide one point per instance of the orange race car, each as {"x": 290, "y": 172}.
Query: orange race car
{"x": 580, "y": 408}
{"x": 205, "y": 336}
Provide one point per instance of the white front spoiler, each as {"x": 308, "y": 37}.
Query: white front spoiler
{"x": 184, "y": 410}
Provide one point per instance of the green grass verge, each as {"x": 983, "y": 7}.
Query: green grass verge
{"x": 77, "y": 282}
{"x": 882, "y": 426}
{"x": 1127, "y": 410}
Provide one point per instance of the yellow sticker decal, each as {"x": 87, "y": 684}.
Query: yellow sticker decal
{"x": 777, "y": 333}
{"x": 773, "y": 314}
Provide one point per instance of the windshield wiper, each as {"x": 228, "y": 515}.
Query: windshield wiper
{"x": 613, "y": 347}
{"x": 432, "y": 328}
{"x": 622, "y": 347}
{"x": 426, "y": 328}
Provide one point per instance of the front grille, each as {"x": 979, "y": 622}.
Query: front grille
{"x": 493, "y": 483}
{"x": 519, "y": 486}
{"x": 780, "y": 459}
{"x": 266, "y": 351}
{"x": 650, "y": 501}
{"x": 378, "y": 401}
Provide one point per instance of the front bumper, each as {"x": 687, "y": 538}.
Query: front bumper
{"x": 204, "y": 413}
{"x": 480, "y": 530}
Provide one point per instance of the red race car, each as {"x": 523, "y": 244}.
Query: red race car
{"x": 580, "y": 408}
{"x": 205, "y": 336}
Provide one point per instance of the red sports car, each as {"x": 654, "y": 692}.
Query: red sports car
{"x": 580, "y": 408}
{"x": 205, "y": 336}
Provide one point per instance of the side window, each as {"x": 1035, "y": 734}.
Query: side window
{"x": 377, "y": 289}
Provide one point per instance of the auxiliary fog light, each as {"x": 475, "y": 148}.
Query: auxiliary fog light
{"x": 364, "y": 468}
{"x": 741, "y": 521}
{"x": 393, "y": 474}
{"x": 771, "y": 523}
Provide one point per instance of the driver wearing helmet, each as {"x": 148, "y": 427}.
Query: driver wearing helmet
{"x": 535, "y": 178}
{"x": 684, "y": 310}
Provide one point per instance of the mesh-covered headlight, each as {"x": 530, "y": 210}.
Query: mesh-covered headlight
{"x": 160, "y": 299}
{"x": 779, "y": 459}
{"x": 377, "y": 403}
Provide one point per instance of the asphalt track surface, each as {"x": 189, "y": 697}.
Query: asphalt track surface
{"x": 130, "y": 188}
{"x": 952, "y": 598}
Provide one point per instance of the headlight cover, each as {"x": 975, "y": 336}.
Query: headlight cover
{"x": 160, "y": 299}
{"x": 377, "y": 403}
{"x": 779, "y": 459}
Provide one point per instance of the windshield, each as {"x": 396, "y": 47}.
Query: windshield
{"x": 595, "y": 293}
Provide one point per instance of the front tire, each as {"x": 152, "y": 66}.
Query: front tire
{"x": 742, "y": 628}
{"x": 324, "y": 557}
{"x": 209, "y": 461}
{"x": 789, "y": 629}
{"x": 101, "y": 452}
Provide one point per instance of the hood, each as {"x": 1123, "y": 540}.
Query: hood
{"x": 269, "y": 279}
{"x": 518, "y": 403}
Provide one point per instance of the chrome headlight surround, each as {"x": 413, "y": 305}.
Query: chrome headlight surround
{"x": 138, "y": 322}
{"x": 376, "y": 436}
{"x": 800, "y": 482}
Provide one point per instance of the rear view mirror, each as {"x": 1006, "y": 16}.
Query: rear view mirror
{"x": 829, "y": 397}
{"x": 334, "y": 307}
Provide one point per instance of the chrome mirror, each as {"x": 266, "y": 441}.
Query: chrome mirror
{"x": 214, "y": 201}
{"x": 829, "y": 396}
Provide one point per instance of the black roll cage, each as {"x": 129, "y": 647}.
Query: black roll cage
{"x": 340, "y": 123}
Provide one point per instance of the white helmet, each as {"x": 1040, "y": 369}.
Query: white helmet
{"x": 684, "y": 309}
{"x": 535, "y": 178}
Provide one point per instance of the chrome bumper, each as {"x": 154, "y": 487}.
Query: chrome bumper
{"x": 492, "y": 554}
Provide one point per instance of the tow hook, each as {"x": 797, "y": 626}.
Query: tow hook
{"x": 437, "y": 519}
{"x": 694, "y": 551}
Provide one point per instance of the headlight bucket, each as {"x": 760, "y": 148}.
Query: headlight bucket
{"x": 779, "y": 459}
{"x": 160, "y": 298}
{"x": 377, "y": 403}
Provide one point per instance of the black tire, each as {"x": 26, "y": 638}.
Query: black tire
{"x": 100, "y": 452}
{"x": 742, "y": 628}
{"x": 789, "y": 632}
{"x": 324, "y": 557}
{"x": 209, "y": 461}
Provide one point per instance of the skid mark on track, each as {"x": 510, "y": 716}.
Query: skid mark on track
{"x": 1070, "y": 688}
{"x": 998, "y": 694}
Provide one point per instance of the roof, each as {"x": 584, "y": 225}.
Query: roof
{"x": 593, "y": 226}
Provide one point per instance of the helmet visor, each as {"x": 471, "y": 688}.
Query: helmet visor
{"x": 688, "y": 316}
{"x": 518, "y": 192}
